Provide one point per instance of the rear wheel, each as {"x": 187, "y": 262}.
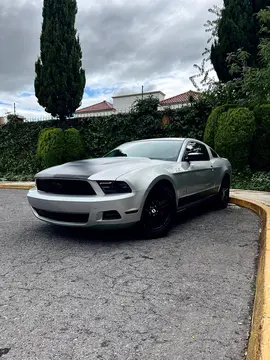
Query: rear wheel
{"x": 158, "y": 212}
{"x": 223, "y": 196}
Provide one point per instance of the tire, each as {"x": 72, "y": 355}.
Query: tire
{"x": 158, "y": 212}
{"x": 223, "y": 196}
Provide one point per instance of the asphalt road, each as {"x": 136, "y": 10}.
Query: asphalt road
{"x": 69, "y": 294}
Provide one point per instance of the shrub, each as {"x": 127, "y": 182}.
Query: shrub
{"x": 51, "y": 146}
{"x": 145, "y": 106}
{"x": 260, "y": 154}
{"x": 247, "y": 179}
{"x": 212, "y": 124}
{"x": 234, "y": 135}
{"x": 74, "y": 146}
{"x": 12, "y": 118}
{"x": 18, "y": 147}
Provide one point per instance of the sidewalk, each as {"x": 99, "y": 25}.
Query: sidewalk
{"x": 261, "y": 196}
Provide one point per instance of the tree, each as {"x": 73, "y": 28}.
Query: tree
{"x": 60, "y": 79}
{"x": 145, "y": 106}
{"x": 235, "y": 29}
{"x": 13, "y": 119}
{"x": 248, "y": 86}
{"x": 233, "y": 138}
{"x": 254, "y": 83}
{"x": 257, "y": 5}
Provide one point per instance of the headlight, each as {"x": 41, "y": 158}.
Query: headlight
{"x": 114, "y": 187}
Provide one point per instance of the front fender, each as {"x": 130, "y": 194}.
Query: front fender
{"x": 144, "y": 180}
{"x": 157, "y": 180}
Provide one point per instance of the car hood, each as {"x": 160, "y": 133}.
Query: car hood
{"x": 97, "y": 169}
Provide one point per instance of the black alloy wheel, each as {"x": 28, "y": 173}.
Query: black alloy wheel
{"x": 158, "y": 212}
{"x": 223, "y": 196}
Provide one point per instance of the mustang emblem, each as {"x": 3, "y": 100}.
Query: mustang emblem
{"x": 58, "y": 185}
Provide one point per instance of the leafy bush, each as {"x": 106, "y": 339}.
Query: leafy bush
{"x": 74, "y": 146}
{"x": 51, "y": 147}
{"x": 233, "y": 139}
{"x": 12, "y": 118}
{"x": 260, "y": 154}
{"x": 147, "y": 105}
{"x": 212, "y": 124}
{"x": 18, "y": 146}
{"x": 247, "y": 179}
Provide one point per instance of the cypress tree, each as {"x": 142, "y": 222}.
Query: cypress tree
{"x": 236, "y": 29}
{"x": 60, "y": 79}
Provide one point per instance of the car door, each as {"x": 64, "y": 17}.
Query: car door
{"x": 199, "y": 172}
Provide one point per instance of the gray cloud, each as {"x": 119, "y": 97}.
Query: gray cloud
{"x": 19, "y": 44}
{"x": 123, "y": 41}
{"x": 143, "y": 41}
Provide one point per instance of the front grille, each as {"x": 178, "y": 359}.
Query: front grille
{"x": 64, "y": 217}
{"x": 65, "y": 187}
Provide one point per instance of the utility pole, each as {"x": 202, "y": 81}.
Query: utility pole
{"x": 142, "y": 92}
{"x": 14, "y": 108}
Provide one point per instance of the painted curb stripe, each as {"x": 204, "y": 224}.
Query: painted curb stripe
{"x": 259, "y": 339}
{"x": 13, "y": 186}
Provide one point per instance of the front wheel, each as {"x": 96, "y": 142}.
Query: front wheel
{"x": 223, "y": 196}
{"x": 158, "y": 212}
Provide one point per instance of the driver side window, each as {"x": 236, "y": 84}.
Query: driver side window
{"x": 194, "y": 147}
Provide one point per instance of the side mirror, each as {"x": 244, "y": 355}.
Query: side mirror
{"x": 193, "y": 157}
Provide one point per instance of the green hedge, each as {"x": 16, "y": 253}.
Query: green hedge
{"x": 56, "y": 147}
{"x": 74, "y": 146}
{"x": 260, "y": 154}
{"x": 233, "y": 140}
{"x": 212, "y": 123}
{"x": 18, "y": 146}
{"x": 50, "y": 148}
{"x": 18, "y": 142}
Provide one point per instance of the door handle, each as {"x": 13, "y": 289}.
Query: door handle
{"x": 212, "y": 168}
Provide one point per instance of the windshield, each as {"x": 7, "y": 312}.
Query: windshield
{"x": 154, "y": 149}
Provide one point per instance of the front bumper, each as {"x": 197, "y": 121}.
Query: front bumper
{"x": 86, "y": 211}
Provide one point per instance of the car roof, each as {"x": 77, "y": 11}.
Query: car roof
{"x": 158, "y": 139}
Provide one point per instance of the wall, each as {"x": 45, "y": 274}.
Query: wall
{"x": 95, "y": 114}
{"x": 124, "y": 103}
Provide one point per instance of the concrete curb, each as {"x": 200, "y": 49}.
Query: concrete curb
{"x": 18, "y": 186}
{"x": 259, "y": 340}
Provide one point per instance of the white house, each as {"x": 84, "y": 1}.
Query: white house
{"x": 100, "y": 109}
{"x": 180, "y": 100}
{"x": 123, "y": 103}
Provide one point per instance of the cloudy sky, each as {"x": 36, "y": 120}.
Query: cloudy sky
{"x": 125, "y": 45}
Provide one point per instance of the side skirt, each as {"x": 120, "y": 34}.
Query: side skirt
{"x": 192, "y": 200}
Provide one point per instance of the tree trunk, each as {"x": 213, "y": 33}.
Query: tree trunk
{"x": 63, "y": 122}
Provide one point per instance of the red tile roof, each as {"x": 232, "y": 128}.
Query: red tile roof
{"x": 102, "y": 106}
{"x": 181, "y": 98}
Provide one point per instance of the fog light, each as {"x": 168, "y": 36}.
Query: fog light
{"x": 111, "y": 215}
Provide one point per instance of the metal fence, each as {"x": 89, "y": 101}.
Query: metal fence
{"x": 97, "y": 113}
{"x": 79, "y": 115}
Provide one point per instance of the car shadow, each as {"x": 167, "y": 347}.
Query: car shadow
{"x": 120, "y": 235}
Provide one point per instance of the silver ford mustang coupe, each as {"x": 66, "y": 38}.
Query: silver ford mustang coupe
{"x": 140, "y": 182}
